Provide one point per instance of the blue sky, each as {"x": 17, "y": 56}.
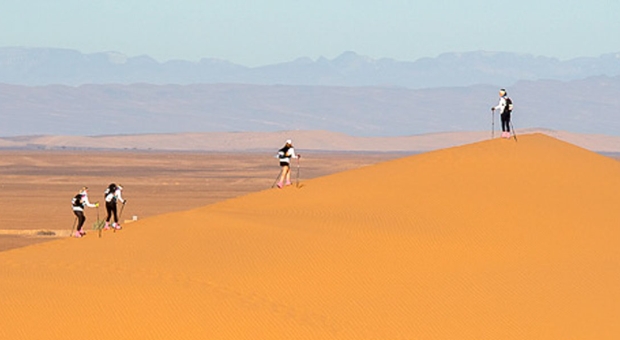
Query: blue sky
{"x": 255, "y": 33}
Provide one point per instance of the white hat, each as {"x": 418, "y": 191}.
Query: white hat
{"x": 288, "y": 141}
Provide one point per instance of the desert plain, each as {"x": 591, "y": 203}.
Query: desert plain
{"x": 496, "y": 239}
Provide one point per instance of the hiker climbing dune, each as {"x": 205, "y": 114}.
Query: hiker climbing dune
{"x": 79, "y": 202}
{"x": 284, "y": 155}
{"x": 112, "y": 195}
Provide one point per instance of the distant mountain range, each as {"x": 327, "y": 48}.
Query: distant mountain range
{"x": 46, "y": 66}
{"x": 589, "y": 105}
{"x": 65, "y": 92}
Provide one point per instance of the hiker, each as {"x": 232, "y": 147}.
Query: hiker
{"x": 504, "y": 107}
{"x": 112, "y": 194}
{"x": 79, "y": 202}
{"x": 284, "y": 155}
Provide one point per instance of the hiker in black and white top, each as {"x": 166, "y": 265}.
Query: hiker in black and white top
{"x": 79, "y": 202}
{"x": 284, "y": 155}
{"x": 112, "y": 194}
{"x": 504, "y": 107}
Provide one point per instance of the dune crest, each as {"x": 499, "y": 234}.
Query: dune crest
{"x": 492, "y": 240}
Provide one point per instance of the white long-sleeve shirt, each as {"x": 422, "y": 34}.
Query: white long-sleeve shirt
{"x": 117, "y": 193}
{"x": 290, "y": 153}
{"x": 85, "y": 202}
{"x": 501, "y": 106}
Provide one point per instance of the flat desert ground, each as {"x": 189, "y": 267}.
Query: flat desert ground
{"x": 491, "y": 240}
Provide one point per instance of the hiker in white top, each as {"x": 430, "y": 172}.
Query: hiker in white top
{"x": 504, "y": 107}
{"x": 78, "y": 202}
{"x": 284, "y": 155}
{"x": 112, "y": 195}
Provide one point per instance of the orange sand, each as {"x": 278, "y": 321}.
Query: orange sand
{"x": 493, "y": 240}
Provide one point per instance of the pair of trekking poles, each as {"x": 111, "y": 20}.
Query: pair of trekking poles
{"x": 512, "y": 128}
{"x": 280, "y": 174}
{"x": 99, "y": 223}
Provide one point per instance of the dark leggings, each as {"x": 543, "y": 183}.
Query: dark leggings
{"x": 505, "y": 117}
{"x": 81, "y": 219}
{"x": 110, "y": 207}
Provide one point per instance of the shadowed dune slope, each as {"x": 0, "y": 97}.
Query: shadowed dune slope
{"x": 493, "y": 240}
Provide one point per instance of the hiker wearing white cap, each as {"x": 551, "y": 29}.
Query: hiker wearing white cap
{"x": 284, "y": 155}
{"x": 504, "y": 107}
{"x": 79, "y": 202}
{"x": 112, "y": 194}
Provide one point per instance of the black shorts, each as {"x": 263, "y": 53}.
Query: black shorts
{"x": 285, "y": 164}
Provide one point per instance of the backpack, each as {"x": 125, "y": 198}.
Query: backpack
{"x": 110, "y": 190}
{"x": 508, "y": 107}
{"x": 77, "y": 201}
{"x": 282, "y": 153}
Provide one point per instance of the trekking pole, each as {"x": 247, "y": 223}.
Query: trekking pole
{"x": 276, "y": 180}
{"x": 297, "y": 184}
{"x": 121, "y": 213}
{"x": 73, "y": 227}
{"x": 492, "y": 124}
{"x": 512, "y": 128}
{"x": 97, "y": 224}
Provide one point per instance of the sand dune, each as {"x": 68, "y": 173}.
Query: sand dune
{"x": 36, "y": 185}
{"x": 492, "y": 240}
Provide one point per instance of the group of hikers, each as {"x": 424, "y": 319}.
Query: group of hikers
{"x": 113, "y": 193}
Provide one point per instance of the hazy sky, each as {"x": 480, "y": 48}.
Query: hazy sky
{"x": 260, "y": 32}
